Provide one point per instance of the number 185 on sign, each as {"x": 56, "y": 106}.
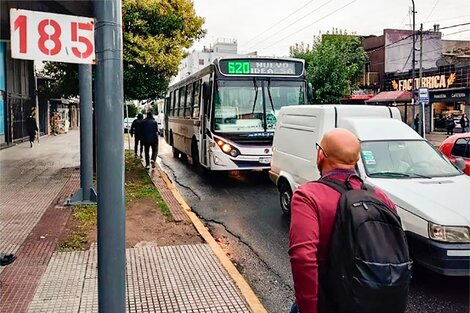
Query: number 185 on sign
{"x": 51, "y": 37}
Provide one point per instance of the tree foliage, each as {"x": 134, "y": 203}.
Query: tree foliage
{"x": 156, "y": 34}
{"x": 334, "y": 64}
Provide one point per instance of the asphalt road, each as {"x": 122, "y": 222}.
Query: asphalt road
{"x": 242, "y": 212}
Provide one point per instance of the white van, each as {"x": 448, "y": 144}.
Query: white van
{"x": 432, "y": 196}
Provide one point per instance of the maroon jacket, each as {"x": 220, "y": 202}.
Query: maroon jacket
{"x": 313, "y": 213}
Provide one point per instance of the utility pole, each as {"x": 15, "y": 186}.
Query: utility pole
{"x": 110, "y": 157}
{"x": 422, "y": 124}
{"x": 413, "y": 87}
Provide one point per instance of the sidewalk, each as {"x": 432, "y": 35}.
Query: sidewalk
{"x": 34, "y": 183}
{"x": 436, "y": 138}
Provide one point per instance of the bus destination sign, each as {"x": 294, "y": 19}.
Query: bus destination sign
{"x": 261, "y": 67}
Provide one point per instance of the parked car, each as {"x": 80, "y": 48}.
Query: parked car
{"x": 128, "y": 123}
{"x": 430, "y": 193}
{"x": 458, "y": 146}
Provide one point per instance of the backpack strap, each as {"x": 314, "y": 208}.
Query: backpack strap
{"x": 341, "y": 187}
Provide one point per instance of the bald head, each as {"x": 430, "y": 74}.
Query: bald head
{"x": 342, "y": 150}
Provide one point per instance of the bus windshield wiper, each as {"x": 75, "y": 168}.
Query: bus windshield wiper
{"x": 270, "y": 96}
{"x": 256, "y": 95}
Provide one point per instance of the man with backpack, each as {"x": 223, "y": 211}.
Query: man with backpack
{"x": 347, "y": 249}
{"x": 136, "y": 130}
{"x": 150, "y": 139}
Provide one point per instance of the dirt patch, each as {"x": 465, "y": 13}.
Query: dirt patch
{"x": 144, "y": 222}
{"x": 147, "y": 217}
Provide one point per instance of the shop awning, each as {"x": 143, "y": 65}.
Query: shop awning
{"x": 399, "y": 96}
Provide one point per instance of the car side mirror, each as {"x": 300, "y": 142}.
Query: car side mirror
{"x": 309, "y": 92}
{"x": 459, "y": 163}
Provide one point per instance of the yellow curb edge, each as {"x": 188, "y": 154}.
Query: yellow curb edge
{"x": 245, "y": 289}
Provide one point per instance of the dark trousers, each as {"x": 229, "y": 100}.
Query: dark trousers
{"x": 138, "y": 141}
{"x": 154, "y": 147}
{"x": 450, "y": 130}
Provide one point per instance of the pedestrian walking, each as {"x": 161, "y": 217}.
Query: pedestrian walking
{"x": 450, "y": 124}
{"x": 464, "y": 123}
{"x": 150, "y": 139}
{"x": 6, "y": 258}
{"x": 32, "y": 128}
{"x": 416, "y": 123}
{"x": 136, "y": 131}
{"x": 345, "y": 238}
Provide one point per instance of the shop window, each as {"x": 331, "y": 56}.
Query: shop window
{"x": 201, "y": 61}
{"x": 460, "y": 147}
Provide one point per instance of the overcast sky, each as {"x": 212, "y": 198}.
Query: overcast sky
{"x": 271, "y": 26}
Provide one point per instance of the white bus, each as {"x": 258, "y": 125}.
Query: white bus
{"x": 224, "y": 116}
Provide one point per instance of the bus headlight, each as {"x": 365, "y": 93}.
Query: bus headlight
{"x": 227, "y": 148}
{"x": 449, "y": 233}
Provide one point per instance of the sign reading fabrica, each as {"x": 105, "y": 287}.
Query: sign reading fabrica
{"x": 44, "y": 36}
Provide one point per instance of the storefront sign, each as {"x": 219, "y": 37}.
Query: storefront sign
{"x": 46, "y": 36}
{"x": 430, "y": 82}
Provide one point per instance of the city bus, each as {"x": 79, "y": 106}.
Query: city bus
{"x": 223, "y": 117}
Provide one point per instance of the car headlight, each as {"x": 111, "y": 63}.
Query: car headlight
{"x": 449, "y": 233}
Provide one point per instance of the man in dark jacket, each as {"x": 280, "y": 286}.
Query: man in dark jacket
{"x": 136, "y": 131}
{"x": 450, "y": 125}
{"x": 150, "y": 138}
{"x": 32, "y": 128}
{"x": 313, "y": 213}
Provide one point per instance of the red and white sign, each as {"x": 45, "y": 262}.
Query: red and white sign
{"x": 46, "y": 36}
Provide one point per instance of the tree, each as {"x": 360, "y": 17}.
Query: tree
{"x": 131, "y": 110}
{"x": 334, "y": 64}
{"x": 156, "y": 34}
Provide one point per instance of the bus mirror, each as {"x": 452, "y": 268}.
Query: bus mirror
{"x": 309, "y": 92}
{"x": 206, "y": 90}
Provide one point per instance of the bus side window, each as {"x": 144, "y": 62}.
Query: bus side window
{"x": 189, "y": 101}
{"x": 197, "y": 98}
{"x": 182, "y": 101}
{"x": 207, "y": 99}
{"x": 176, "y": 103}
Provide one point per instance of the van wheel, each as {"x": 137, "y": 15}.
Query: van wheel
{"x": 285, "y": 197}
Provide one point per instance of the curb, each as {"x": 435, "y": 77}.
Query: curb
{"x": 253, "y": 301}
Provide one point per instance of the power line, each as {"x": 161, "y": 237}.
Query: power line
{"x": 322, "y": 18}
{"x": 432, "y": 10}
{"x": 446, "y": 19}
{"x": 278, "y": 22}
{"x": 452, "y": 26}
{"x": 460, "y": 31}
{"x": 291, "y": 24}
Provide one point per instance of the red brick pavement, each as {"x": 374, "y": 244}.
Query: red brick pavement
{"x": 20, "y": 279}
{"x": 175, "y": 207}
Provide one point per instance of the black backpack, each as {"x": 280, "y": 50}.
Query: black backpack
{"x": 368, "y": 267}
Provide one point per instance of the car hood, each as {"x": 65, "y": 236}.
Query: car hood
{"x": 444, "y": 201}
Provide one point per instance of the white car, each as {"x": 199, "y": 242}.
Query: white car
{"x": 128, "y": 123}
{"x": 431, "y": 194}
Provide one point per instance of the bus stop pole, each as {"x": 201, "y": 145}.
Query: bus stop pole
{"x": 110, "y": 157}
{"x": 86, "y": 193}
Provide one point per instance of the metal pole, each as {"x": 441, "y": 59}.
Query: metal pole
{"x": 110, "y": 157}
{"x": 86, "y": 131}
{"x": 421, "y": 124}
{"x": 413, "y": 66}
{"x": 128, "y": 131}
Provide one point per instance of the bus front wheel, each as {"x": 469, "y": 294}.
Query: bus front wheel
{"x": 194, "y": 154}
{"x": 176, "y": 153}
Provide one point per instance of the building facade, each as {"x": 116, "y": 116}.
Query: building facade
{"x": 197, "y": 60}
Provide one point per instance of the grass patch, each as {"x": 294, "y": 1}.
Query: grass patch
{"x": 139, "y": 185}
{"x": 84, "y": 220}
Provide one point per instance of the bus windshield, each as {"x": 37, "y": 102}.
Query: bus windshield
{"x": 240, "y": 105}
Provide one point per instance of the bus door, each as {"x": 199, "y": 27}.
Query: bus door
{"x": 205, "y": 123}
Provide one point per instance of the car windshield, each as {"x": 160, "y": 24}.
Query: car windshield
{"x": 405, "y": 159}
{"x": 239, "y": 105}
